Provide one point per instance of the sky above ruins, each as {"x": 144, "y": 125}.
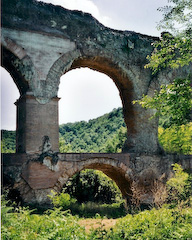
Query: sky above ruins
{"x": 86, "y": 94}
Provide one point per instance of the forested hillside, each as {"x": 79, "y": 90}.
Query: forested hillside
{"x": 8, "y": 139}
{"x": 103, "y": 134}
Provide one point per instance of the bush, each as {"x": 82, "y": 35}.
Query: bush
{"x": 179, "y": 186}
{"x": 63, "y": 200}
{"x": 176, "y": 139}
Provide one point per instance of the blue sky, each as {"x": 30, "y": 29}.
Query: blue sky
{"x": 86, "y": 94}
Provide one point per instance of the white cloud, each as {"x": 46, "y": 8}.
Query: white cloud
{"x": 82, "y": 5}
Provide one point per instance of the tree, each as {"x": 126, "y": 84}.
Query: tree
{"x": 115, "y": 144}
{"x": 175, "y": 48}
{"x": 92, "y": 186}
{"x": 63, "y": 147}
{"x": 173, "y": 102}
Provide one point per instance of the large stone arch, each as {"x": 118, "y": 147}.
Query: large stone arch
{"x": 16, "y": 61}
{"x": 78, "y": 40}
{"x": 139, "y": 130}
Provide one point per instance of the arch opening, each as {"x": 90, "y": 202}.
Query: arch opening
{"x": 112, "y": 168}
{"x": 117, "y": 174}
{"x": 91, "y": 185}
{"x": 9, "y": 95}
{"x": 91, "y": 98}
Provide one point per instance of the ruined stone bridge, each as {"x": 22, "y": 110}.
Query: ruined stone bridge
{"x": 41, "y": 42}
{"x": 34, "y": 177}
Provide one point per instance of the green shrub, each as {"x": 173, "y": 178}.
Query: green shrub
{"x": 63, "y": 200}
{"x": 179, "y": 186}
{"x": 176, "y": 139}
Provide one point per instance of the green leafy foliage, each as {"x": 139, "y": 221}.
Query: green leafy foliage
{"x": 63, "y": 147}
{"x": 88, "y": 193}
{"x": 93, "y": 186}
{"x": 164, "y": 223}
{"x": 155, "y": 224}
{"x": 95, "y": 135}
{"x": 116, "y": 142}
{"x": 21, "y": 223}
{"x": 170, "y": 52}
{"x": 176, "y": 139}
{"x": 175, "y": 50}
{"x": 173, "y": 101}
{"x": 8, "y": 141}
{"x": 177, "y": 17}
{"x": 173, "y": 104}
{"x": 179, "y": 186}
{"x": 63, "y": 200}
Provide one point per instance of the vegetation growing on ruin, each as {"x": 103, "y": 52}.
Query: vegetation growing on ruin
{"x": 90, "y": 192}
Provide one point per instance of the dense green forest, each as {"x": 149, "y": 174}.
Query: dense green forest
{"x": 108, "y": 134}
{"x": 102, "y": 134}
{"x": 8, "y": 141}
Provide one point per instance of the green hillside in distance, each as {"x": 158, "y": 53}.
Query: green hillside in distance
{"x": 103, "y": 134}
{"x": 8, "y": 141}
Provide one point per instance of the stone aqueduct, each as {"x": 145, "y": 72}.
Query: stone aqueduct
{"x": 41, "y": 42}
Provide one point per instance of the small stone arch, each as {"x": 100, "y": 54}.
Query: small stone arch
{"x": 114, "y": 169}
